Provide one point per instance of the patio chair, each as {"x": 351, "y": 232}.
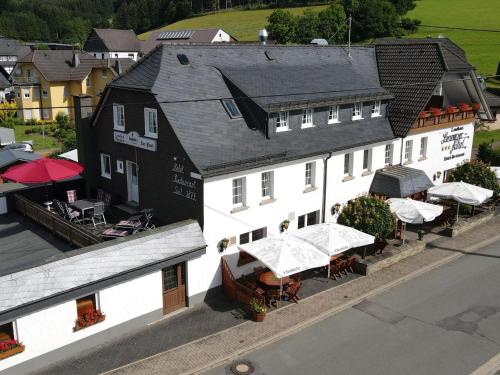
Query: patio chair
{"x": 112, "y": 233}
{"x": 272, "y": 297}
{"x": 349, "y": 264}
{"x": 71, "y": 215}
{"x": 340, "y": 263}
{"x": 291, "y": 292}
{"x": 334, "y": 271}
{"x": 98, "y": 214}
{"x": 137, "y": 223}
{"x": 296, "y": 278}
{"x": 71, "y": 194}
{"x": 100, "y": 195}
{"x": 59, "y": 208}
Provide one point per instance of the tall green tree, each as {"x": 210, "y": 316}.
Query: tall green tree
{"x": 307, "y": 27}
{"x": 374, "y": 19}
{"x": 403, "y": 6}
{"x": 281, "y": 26}
{"x": 332, "y": 23}
{"x": 476, "y": 173}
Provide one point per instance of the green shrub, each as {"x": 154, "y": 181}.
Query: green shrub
{"x": 477, "y": 173}
{"x": 9, "y": 123}
{"x": 370, "y": 215}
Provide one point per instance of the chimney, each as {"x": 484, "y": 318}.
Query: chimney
{"x": 118, "y": 67}
{"x": 263, "y": 36}
{"x": 76, "y": 60}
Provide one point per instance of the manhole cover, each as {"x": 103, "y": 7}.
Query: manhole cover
{"x": 242, "y": 368}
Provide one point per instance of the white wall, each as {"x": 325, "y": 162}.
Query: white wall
{"x": 111, "y": 55}
{"x": 52, "y": 328}
{"x": 456, "y": 152}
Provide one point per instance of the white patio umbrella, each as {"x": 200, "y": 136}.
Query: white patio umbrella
{"x": 462, "y": 192}
{"x": 286, "y": 255}
{"x": 332, "y": 238}
{"x": 414, "y": 212}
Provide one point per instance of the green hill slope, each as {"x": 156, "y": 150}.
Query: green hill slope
{"x": 244, "y": 25}
{"x": 483, "y": 49}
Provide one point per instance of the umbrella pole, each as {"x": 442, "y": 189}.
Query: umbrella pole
{"x": 404, "y": 231}
{"x": 281, "y": 290}
{"x": 328, "y": 271}
{"x": 458, "y": 210}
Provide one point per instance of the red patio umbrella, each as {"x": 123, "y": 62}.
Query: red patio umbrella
{"x": 43, "y": 170}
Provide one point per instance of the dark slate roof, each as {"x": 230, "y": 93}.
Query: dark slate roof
{"x": 404, "y": 64}
{"x": 215, "y": 142}
{"x": 11, "y": 47}
{"x": 8, "y": 157}
{"x": 399, "y": 181}
{"x": 116, "y": 40}
{"x": 492, "y": 99}
{"x": 56, "y": 65}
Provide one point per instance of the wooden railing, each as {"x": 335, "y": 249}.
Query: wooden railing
{"x": 57, "y": 225}
{"x": 236, "y": 290}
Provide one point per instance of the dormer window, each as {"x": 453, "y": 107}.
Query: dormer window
{"x": 231, "y": 108}
{"x": 376, "y": 108}
{"x": 357, "y": 111}
{"x": 333, "y": 114}
{"x": 307, "y": 118}
{"x": 282, "y": 122}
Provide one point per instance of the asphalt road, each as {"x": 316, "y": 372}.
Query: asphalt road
{"x": 446, "y": 321}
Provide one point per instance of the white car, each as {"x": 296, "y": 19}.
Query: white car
{"x": 19, "y": 147}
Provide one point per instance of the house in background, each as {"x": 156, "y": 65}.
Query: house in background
{"x": 10, "y": 51}
{"x": 46, "y": 81}
{"x": 198, "y": 36}
{"x": 4, "y": 84}
{"x": 113, "y": 43}
{"x": 437, "y": 99}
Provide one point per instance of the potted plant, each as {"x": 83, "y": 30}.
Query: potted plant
{"x": 222, "y": 245}
{"x": 451, "y": 109}
{"x": 464, "y": 107}
{"x": 88, "y": 319}
{"x": 284, "y": 225}
{"x": 436, "y": 112}
{"x": 258, "y": 310}
{"x": 10, "y": 347}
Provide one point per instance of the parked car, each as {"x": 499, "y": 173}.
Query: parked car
{"x": 19, "y": 147}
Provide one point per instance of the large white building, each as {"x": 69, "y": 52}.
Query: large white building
{"x": 113, "y": 44}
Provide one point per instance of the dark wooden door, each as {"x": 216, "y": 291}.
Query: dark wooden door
{"x": 174, "y": 287}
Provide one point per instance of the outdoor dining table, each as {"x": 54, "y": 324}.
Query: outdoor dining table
{"x": 269, "y": 279}
{"x": 83, "y": 205}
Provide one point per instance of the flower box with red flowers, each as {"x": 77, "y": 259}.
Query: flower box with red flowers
{"x": 424, "y": 114}
{"x": 88, "y": 319}
{"x": 451, "y": 109}
{"x": 437, "y": 112}
{"x": 476, "y": 106}
{"x": 464, "y": 107}
{"x": 10, "y": 347}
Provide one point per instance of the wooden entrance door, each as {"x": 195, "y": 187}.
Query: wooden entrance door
{"x": 174, "y": 287}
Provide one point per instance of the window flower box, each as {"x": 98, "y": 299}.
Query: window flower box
{"x": 424, "y": 114}
{"x": 451, "y": 109}
{"x": 88, "y": 319}
{"x": 9, "y": 348}
{"x": 465, "y": 107}
{"x": 476, "y": 106}
{"x": 437, "y": 112}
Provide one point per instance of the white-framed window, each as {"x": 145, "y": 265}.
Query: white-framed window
{"x": 119, "y": 166}
{"x": 376, "y": 108}
{"x": 8, "y": 331}
{"x": 388, "y": 154}
{"x": 367, "y": 160}
{"x": 282, "y": 121}
{"x": 408, "y": 150}
{"x": 308, "y": 219}
{"x": 307, "y": 118}
{"x": 106, "y": 166}
{"x": 423, "y": 147}
{"x": 88, "y": 83}
{"x": 348, "y": 164}
{"x": 231, "y": 108}
{"x": 118, "y": 117}
{"x": 267, "y": 184}
{"x": 26, "y": 93}
{"x": 239, "y": 191}
{"x": 45, "y": 93}
{"x": 310, "y": 174}
{"x": 357, "y": 111}
{"x": 333, "y": 114}
{"x": 150, "y": 123}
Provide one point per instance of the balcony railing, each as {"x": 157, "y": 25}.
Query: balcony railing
{"x": 20, "y": 80}
{"x": 437, "y": 116}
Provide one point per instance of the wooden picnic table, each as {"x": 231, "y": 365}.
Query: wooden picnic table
{"x": 269, "y": 278}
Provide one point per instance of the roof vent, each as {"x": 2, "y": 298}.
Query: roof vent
{"x": 76, "y": 60}
{"x": 269, "y": 55}
{"x": 263, "y": 36}
{"x": 183, "y": 59}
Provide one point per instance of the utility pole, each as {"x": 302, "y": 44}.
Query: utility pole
{"x": 349, "y": 40}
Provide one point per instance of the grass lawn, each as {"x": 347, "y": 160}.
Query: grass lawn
{"x": 244, "y": 25}
{"x": 41, "y": 145}
{"x": 486, "y": 136}
{"x": 483, "y": 48}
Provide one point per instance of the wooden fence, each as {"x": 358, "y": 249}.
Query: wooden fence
{"x": 57, "y": 225}
{"x": 236, "y": 290}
